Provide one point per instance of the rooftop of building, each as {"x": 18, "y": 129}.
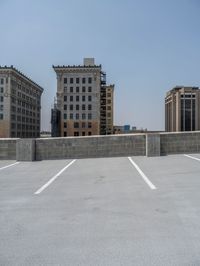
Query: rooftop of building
{"x": 12, "y": 68}
{"x": 87, "y": 63}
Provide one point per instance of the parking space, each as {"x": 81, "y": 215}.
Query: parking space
{"x": 101, "y": 211}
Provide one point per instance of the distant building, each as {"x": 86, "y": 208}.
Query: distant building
{"x": 84, "y": 100}
{"x": 20, "y": 104}
{"x": 182, "y": 109}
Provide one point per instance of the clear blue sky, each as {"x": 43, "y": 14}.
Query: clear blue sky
{"x": 146, "y": 48}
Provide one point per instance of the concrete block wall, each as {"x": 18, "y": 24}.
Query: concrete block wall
{"x": 90, "y": 147}
{"x": 8, "y": 149}
{"x": 179, "y": 142}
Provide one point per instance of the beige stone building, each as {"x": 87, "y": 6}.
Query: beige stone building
{"x": 182, "y": 109}
{"x": 79, "y": 99}
{"x": 20, "y": 104}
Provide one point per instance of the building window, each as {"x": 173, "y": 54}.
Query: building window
{"x": 65, "y": 98}
{"x": 1, "y": 116}
{"x": 71, "y": 116}
{"x": 65, "y": 116}
{"x": 77, "y": 116}
{"x": 83, "y": 133}
{"x": 83, "y": 116}
{"x": 89, "y": 98}
{"x": 108, "y": 94}
{"x": 2, "y": 81}
{"x": 89, "y": 133}
{"x": 83, "y": 124}
{"x": 71, "y": 89}
{"x": 1, "y": 99}
{"x": 77, "y": 89}
{"x": 65, "y": 125}
{"x": 89, "y": 107}
{"x": 65, "y": 134}
{"x": 89, "y": 125}
{"x": 108, "y": 101}
{"x": 76, "y": 124}
{"x": 71, "y": 80}
{"x": 65, "y": 107}
{"x": 83, "y": 80}
{"x": 76, "y": 133}
{"x": 65, "y": 89}
{"x": 109, "y": 108}
{"x": 1, "y": 90}
{"x": 77, "y": 98}
{"x": 71, "y": 98}
{"x": 89, "y": 80}
{"x": 83, "y": 98}
{"x": 65, "y": 80}
{"x": 83, "y": 89}
{"x": 1, "y": 107}
{"x": 83, "y": 107}
{"x": 89, "y": 89}
{"x": 77, "y": 80}
{"x": 89, "y": 116}
{"x": 71, "y": 107}
{"x": 77, "y": 107}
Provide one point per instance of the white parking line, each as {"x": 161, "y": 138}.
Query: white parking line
{"x": 53, "y": 178}
{"x": 149, "y": 183}
{"x": 4, "y": 167}
{"x": 191, "y": 157}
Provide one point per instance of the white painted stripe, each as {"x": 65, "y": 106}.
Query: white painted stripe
{"x": 191, "y": 157}
{"x": 53, "y": 178}
{"x": 151, "y": 185}
{"x": 9, "y": 165}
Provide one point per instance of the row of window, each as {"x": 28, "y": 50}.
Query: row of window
{"x": 24, "y": 119}
{"x": 24, "y": 134}
{"x": 77, "y": 107}
{"x": 76, "y": 133}
{"x": 77, "y": 116}
{"x": 29, "y": 91}
{"x": 77, "y": 89}
{"x": 77, "y": 98}
{"x": 24, "y": 127}
{"x": 77, "y": 80}
{"x": 79, "y": 125}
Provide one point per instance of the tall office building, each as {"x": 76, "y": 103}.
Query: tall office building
{"x": 80, "y": 100}
{"x": 182, "y": 109}
{"x": 20, "y": 104}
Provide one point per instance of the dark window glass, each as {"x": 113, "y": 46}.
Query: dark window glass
{"x": 89, "y": 133}
{"x": 77, "y": 80}
{"x": 77, "y": 116}
{"x": 65, "y": 116}
{"x": 89, "y": 116}
{"x": 2, "y": 81}
{"x": 65, "y": 134}
{"x": 77, "y": 107}
{"x": 77, "y": 98}
{"x": 71, "y": 89}
{"x": 65, "y": 107}
{"x": 83, "y": 80}
{"x": 90, "y": 80}
{"x": 71, "y": 107}
{"x": 65, "y": 125}
{"x": 83, "y": 116}
{"x": 83, "y": 98}
{"x": 89, "y": 98}
{"x": 77, "y": 89}
{"x": 71, "y": 116}
{"x": 83, "y": 89}
{"x": 83, "y": 124}
{"x": 71, "y": 80}
{"x": 89, "y": 89}
{"x": 83, "y": 106}
{"x": 83, "y": 133}
{"x": 76, "y": 124}
{"x": 89, "y": 125}
{"x": 89, "y": 107}
{"x": 71, "y": 98}
{"x": 65, "y": 98}
{"x": 65, "y": 80}
{"x": 76, "y": 134}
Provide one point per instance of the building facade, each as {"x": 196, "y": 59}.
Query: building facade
{"x": 182, "y": 109}
{"x": 20, "y": 105}
{"x": 79, "y": 99}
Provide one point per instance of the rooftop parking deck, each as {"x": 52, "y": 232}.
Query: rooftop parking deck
{"x": 105, "y": 211}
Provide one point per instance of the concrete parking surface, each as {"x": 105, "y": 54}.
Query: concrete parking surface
{"x": 108, "y": 211}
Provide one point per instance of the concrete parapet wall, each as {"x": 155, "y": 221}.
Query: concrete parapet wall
{"x": 8, "y": 149}
{"x": 88, "y": 147}
{"x": 100, "y": 146}
{"x": 179, "y": 142}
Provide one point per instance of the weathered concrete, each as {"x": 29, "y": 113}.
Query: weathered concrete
{"x": 90, "y": 147}
{"x": 7, "y": 149}
{"x": 152, "y": 145}
{"x": 179, "y": 142}
{"x": 25, "y": 150}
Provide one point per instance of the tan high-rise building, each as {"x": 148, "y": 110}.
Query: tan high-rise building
{"x": 79, "y": 99}
{"x": 182, "y": 109}
{"x": 20, "y": 104}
